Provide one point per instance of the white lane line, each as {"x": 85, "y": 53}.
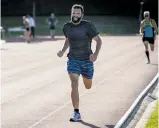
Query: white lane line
{"x": 25, "y": 92}
{"x": 64, "y": 105}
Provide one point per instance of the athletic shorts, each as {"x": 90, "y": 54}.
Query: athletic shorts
{"x": 52, "y": 27}
{"x": 83, "y": 67}
{"x": 149, "y": 39}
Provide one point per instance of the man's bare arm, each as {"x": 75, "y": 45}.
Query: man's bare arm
{"x": 155, "y": 27}
{"x": 98, "y": 44}
{"x": 66, "y": 45}
{"x": 141, "y": 28}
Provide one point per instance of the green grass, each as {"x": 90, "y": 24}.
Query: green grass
{"x": 153, "y": 120}
{"x": 111, "y": 25}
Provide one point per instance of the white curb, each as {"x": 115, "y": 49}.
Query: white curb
{"x": 133, "y": 106}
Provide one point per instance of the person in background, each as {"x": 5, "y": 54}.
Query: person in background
{"x": 52, "y": 21}
{"x": 27, "y": 27}
{"x": 32, "y": 25}
{"x": 148, "y": 31}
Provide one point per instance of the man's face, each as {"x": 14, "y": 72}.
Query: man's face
{"x": 76, "y": 16}
{"x": 147, "y": 16}
{"x": 52, "y": 15}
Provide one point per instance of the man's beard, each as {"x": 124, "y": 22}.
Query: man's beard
{"x": 147, "y": 18}
{"x": 76, "y": 20}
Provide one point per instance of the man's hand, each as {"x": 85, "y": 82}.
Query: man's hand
{"x": 60, "y": 54}
{"x": 141, "y": 34}
{"x": 93, "y": 57}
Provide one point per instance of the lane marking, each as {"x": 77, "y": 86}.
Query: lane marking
{"x": 25, "y": 92}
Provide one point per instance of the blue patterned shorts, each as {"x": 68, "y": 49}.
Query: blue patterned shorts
{"x": 83, "y": 67}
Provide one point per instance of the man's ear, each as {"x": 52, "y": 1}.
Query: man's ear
{"x": 82, "y": 15}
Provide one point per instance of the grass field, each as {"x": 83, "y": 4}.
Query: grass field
{"x": 111, "y": 25}
{"x": 153, "y": 121}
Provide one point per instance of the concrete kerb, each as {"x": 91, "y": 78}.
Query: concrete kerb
{"x": 136, "y": 102}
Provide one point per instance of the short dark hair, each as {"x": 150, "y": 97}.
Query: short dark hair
{"x": 78, "y": 6}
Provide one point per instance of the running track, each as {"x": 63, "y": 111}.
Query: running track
{"x": 36, "y": 88}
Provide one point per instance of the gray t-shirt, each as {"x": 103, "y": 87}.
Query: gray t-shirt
{"x": 80, "y": 39}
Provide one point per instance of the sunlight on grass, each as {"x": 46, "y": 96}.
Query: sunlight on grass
{"x": 153, "y": 120}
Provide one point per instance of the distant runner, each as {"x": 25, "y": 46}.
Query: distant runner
{"x": 148, "y": 31}
{"x": 52, "y": 21}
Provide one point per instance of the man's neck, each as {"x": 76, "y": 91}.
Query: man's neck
{"x": 147, "y": 20}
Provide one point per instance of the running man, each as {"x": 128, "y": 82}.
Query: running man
{"x": 148, "y": 31}
{"x": 27, "y": 27}
{"x": 52, "y": 24}
{"x": 79, "y": 34}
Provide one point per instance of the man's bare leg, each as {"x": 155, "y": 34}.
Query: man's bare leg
{"x": 147, "y": 52}
{"x": 152, "y": 47}
{"x": 87, "y": 83}
{"x": 75, "y": 96}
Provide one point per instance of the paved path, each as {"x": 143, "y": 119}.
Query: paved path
{"x": 36, "y": 87}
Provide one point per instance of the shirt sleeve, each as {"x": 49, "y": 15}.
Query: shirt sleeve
{"x": 92, "y": 32}
{"x": 64, "y": 30}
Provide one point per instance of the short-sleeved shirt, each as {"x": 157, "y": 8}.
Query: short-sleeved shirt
{"x": 31, "y": 22}
{"x": 80, "y": 39}
{"x": 52, "y": 21}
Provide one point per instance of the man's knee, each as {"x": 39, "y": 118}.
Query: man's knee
{"x": 74, "y": 86}
{"x": 87, "y": 83}
{"x": 74, "y": 82}
{"x": 152, "y": 47}
{"x": 88, "y": 86}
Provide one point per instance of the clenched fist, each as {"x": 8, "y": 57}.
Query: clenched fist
{"x": 60, "y": 54}
{"x": 93, "y": 57}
